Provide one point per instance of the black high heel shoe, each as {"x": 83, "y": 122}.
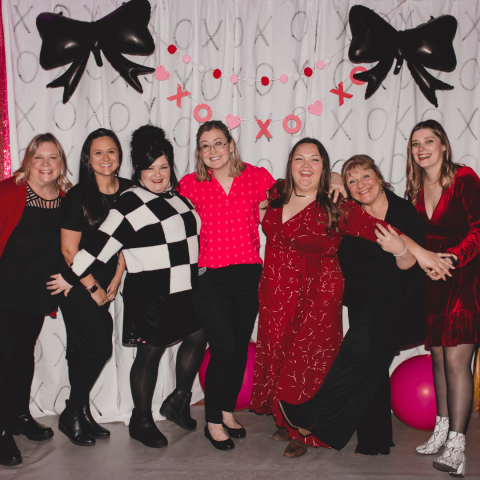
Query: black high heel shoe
{"x": 235, "y": 432}
{"x": 91, "y": 426}
{"x": 219, "y": 445}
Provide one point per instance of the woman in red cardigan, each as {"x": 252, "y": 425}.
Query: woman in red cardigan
{"x": 29, "y": 253}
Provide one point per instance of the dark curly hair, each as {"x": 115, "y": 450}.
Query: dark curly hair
{"x": 149, "y": 143}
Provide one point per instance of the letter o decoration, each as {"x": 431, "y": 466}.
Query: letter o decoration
{"x": 196, "y": 113}
{"x": 296, "y": 128}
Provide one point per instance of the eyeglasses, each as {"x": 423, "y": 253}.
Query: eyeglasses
{"x": 218, "y": 146}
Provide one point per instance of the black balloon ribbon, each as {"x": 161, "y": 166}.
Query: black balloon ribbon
{"x": 429, "y": 45}
{"x": 124, "y": 31}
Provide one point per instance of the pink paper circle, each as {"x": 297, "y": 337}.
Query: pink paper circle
{"x": 356, "y": 70}
{"x": 283, "y": 78}
{"x": 320, "y": 64}
{"x": 196, "y": 113}
{"x": 186, "y": 59}
{"x": 234, "y": 79}
{"x": 296, "y": 128}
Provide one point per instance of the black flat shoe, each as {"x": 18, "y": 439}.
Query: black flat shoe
{"x": 70, "y": 423}
{"x": 91, "y": 426}
{"x": 176, "y": 408}
{"x": 9, "y": 453}
{"x": 235, "y": 432}
{"x": 295, "y": 418}
{"x": 26, "y": 425}
{"x": 143, "y": 428}
{"x": 219, "y": 445}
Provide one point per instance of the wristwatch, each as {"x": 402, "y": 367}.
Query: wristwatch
{"x": 93, "y": 288}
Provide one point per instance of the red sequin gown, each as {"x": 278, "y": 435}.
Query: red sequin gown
{"x": 300, "y": 312}
{"x": 453, "y": 307}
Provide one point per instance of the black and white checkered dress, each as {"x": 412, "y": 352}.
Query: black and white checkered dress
{"x": 159, "y": 237}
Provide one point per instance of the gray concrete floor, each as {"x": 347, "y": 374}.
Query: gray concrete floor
{"x": 189, "y": 455}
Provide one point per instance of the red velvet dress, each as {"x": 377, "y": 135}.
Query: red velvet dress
{"x": 300, "y": 312}
{"x": 453, "y": 307}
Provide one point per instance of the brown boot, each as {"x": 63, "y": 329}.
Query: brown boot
{"x": 281, "y": 435}
{"x": 295, "y": 449}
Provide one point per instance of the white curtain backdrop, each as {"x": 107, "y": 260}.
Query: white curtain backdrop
{"x": 249, "y": 38}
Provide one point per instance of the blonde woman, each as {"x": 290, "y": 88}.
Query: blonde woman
{"x": 29, "y": 253}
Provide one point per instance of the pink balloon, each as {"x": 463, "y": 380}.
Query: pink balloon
{"x": 413, "y": 393}
{"x": 245, "y": 395}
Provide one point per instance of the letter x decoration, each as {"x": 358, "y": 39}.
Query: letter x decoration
{"x": 264, "y": 128}
{"x": 340, "y": 93}
{"x": 178, "y": 97}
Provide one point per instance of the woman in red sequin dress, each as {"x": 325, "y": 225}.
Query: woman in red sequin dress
{"x": 301, "y": 288}
{"x": 447, "y": 197}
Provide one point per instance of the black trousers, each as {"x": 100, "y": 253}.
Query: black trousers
{"x": 89, "y": 342}
{"x": 350, "y": 398}
{"x": 19, "y": 332}
{"x": 227, "y": 304}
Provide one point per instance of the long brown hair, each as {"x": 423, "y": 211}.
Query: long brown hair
{"x": 23, "y": 173}
{"x": 416, "y": 174}
{"x": 236, "y": 164}
{"x": 286, "y": 188}
{"x": 363, "y": 162}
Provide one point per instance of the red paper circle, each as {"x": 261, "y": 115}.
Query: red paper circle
{"x": 297, "y": 121}
{"x": 196, "y": 113}
{"x": 217, "y": 73}
{"x": 308, "y": 72}
{"x": 265, "y": 81}
{"x": 356, "y": 70}
{"x": 172, "y": 49}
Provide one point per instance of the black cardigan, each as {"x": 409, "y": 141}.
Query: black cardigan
{"x": 397, "y": 316}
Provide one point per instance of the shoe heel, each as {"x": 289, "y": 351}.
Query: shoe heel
{"x": 460, "y": 472}
{"x": 303, "y": 432}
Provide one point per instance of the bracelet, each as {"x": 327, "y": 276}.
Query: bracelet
{"x": 93, "y": 288}
{"x": 406, "y": 248}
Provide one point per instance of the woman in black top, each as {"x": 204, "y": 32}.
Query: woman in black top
{"x": 157, "y": 230}
{"x": 384, "y": 295}
{"x": 88, "y": 322}
{"x": 29, "y": 254}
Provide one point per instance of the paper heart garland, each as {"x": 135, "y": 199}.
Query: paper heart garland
{"x": 316, "y": 108}
{"x": 233, "y": 122}
{"x": 161, "y": 73}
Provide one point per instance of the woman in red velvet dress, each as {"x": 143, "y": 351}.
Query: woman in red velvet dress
{"x": 447, "y": 197}
{"x": 301, "y": 288}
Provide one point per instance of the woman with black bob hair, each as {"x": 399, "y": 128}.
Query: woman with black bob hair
{"x": 88, "y": 322}
{"x": 158, "y": 232}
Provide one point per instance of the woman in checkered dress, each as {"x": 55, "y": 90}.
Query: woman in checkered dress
{"x": 158, "y": 232}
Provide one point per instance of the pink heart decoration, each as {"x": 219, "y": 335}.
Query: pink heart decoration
{"x": 161, "y": 73}
{"x": 316, "y": 108}
{"x": 233, "y": 122}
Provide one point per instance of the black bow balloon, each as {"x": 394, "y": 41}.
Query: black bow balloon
{"x": 428, "y": 45}
{"x": 124, "y": 31}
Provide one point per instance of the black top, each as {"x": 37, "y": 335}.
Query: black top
{"x": 73, "y": 219}
{"x": 371, "y": 274}
{"x": 31, "y": 255}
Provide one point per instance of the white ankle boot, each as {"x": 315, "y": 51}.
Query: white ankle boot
{"x": 453, "y": 458}
{"x": 438, "y": 438}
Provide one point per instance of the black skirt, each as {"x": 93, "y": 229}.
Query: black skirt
{"x": 154, "y": 317}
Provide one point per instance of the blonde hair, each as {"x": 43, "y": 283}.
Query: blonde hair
{"x": 23, "y": 173}
{"x": 363, "y": 162}
{"x": 237, "y": 166}
{"x": 416, "y": 174}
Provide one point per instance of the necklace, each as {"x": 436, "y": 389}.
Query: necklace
{"x": 304, "y": 196}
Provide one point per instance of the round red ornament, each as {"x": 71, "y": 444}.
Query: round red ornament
{"x": 265, "y": 81}
{"x": 172, "y": 49}
{"x": 308, "y": 72}
{"x": 217, "y": 73}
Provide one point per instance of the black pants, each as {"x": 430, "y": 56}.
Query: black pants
{"x": 344, "y": 401}
{"x": 227, "y": 304}
{"x": 19, "y": 332}
{"x": 89, "y": 342}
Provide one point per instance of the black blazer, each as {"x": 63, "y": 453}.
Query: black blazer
{"x": 397, "y": 316}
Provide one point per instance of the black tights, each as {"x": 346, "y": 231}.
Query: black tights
{"x": 144, "y": 372}
{"x": 452, "y": 375}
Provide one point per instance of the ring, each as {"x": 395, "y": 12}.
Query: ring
{"x": 379, "y": 241}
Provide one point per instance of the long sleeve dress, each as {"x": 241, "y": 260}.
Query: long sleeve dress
{"x": 300, "y": 314}
{"x": 453, "y": 307}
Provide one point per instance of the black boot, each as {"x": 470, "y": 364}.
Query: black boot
{"x": 71, "y": 424}
{"x": 143, "y": 428}
{"x": 9, "y": 453}
{"x": 91, "y": 426}
{"x": 176, "y": 408}
{"x": 26, "y": 425}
